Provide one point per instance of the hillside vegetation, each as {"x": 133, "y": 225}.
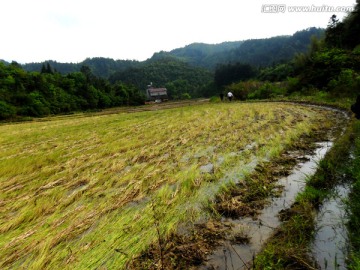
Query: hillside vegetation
{"x": 256, "y": 52}
{"x": 178, "y": 77}
{"x": 38, "y": 94}
{"x": 100, "y": 66}
{"x": 328, "y": 71}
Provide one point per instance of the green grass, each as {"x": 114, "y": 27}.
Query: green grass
{"x": 80, "y": 192}
{"x": 353, "y": 204}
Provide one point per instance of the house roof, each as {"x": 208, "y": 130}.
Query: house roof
{"x": 157, "y": 90}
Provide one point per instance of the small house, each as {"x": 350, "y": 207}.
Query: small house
{"x": 156, "y": 94}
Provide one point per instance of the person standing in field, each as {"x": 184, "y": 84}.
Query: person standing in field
{"x": 221, "y": 96}
{"x": 356, "y": 107}
{"x": 230, "y": 96}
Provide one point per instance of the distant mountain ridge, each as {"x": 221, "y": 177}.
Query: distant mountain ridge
{"x": 100, "y": 66}
{"x": 202, "y": 54}
{"x": 256, "y": 52}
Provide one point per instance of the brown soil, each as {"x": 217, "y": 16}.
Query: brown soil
{"x": 182, "y": 251}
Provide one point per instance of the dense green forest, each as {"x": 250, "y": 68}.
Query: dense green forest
{"x": 333, "y": 63}
{"x": 266, "y": 52}
{"x": 204, "y": 55}
{"x": 181, "y": 79}
{"x": 24, "y": 93}
{"x": 256, "y": 52}
{"x": 47, "y": 92}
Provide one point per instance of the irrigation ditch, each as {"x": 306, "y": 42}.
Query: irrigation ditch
{"x": 250, "y": 215}
{"x": 260, "y": 228}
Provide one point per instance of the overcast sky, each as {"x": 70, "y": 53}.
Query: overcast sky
{"x": 72, "y": 30}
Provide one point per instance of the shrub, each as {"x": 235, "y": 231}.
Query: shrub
{"x": 6, "y": 110}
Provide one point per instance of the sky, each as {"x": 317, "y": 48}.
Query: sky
{"x": 73, "y": 30}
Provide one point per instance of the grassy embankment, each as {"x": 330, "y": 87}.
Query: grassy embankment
{"x": 82, "y": 192}
{"x": 353, "y": 204}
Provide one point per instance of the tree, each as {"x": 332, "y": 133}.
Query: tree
{"x": 351, "y": 37}
{"x": 334, "y": 31}
{"x": 87, "y": 73}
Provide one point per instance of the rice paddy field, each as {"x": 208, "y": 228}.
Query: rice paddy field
{"x": 93, "y": 192}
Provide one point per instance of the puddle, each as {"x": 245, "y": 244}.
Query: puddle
{"x": 330, "y": 242}
{"x": 240, "y": 256}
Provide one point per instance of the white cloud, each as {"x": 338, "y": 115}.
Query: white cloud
{"x": 70, "y": 31}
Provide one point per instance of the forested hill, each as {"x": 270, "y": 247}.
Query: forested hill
{"x": 100, "y": 66}
{"x": 256, "y": 52}
{"x": 202, "y": 54}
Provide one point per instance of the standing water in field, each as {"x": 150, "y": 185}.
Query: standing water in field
{"x": 232, "y": 255}
{"x": 330, "y": 242}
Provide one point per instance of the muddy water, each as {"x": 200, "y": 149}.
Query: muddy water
{"x": 330, "y": 243}
{"x": 240, "y": 256}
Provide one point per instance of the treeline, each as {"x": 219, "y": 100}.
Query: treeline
{"x": 25, "y": 93}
